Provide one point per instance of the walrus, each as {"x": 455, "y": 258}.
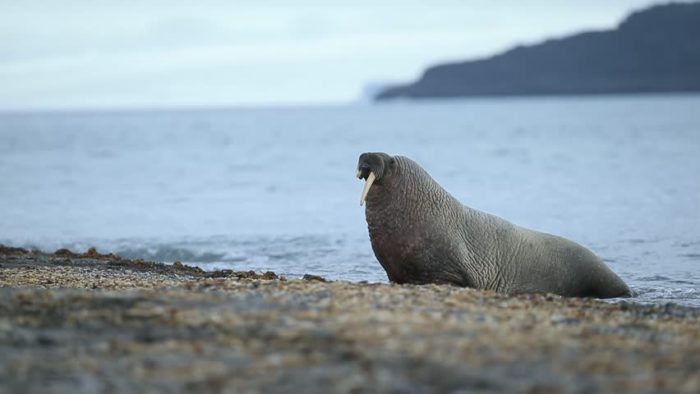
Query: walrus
{"x": 421, "y": 234}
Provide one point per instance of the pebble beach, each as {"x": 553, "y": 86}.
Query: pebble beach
{"x": 88, "y": 322}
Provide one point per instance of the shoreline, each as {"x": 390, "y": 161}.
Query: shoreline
{"x": 85, "y": 322}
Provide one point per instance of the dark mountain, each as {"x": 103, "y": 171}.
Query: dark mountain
{"x": 653, "y": 50}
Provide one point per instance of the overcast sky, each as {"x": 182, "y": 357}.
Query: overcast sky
{"x": 85, "y": 54}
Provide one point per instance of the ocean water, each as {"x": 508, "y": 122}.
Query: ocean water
{"x": 275, "y": 189}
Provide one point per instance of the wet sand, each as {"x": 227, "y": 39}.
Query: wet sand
{"x": 90, "y": 323}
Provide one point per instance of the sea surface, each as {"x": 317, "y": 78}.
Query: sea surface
{"x": 275, "y": 188}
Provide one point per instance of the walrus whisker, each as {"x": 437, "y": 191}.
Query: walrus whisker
{"x": 368, "y": 184}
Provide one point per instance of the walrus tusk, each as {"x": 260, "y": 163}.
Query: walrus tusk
{"x": 365, "y": 190}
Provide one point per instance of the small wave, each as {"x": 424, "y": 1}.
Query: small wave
{"x": 683, "y": 282}
{"x": 284, "y": 256}
{"x": 653, "y": 278}
{"x": 635, "y": 241}
{"x": 169, "y": 253}
{"x": 689, "y": 244}
{"x": 654, "y": 295}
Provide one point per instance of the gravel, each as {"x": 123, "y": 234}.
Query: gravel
{"x": 89, "y": 322}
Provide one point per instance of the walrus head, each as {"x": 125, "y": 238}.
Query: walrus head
{"x": 373, "y": 167}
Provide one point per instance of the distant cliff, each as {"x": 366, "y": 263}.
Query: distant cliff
{"x": 653, "y": 50}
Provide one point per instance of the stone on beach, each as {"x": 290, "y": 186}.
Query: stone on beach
{"x": 91, "y": 322}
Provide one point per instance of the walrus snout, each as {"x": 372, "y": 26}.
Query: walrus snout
{"x": 363, "y": 171}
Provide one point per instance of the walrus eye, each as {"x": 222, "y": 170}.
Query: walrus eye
{"x": 365, "y": 190}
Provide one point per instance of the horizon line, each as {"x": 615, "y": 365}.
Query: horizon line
{"x": 330, "y": 104}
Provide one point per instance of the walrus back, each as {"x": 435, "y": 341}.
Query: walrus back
{"x": 513, "y": 259}
{"x": 548, "y": 263}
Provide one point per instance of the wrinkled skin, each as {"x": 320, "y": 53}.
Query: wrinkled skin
{"x": 421, "y": 234}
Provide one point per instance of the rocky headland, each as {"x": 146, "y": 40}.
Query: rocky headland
{"x": 653, "y": 50}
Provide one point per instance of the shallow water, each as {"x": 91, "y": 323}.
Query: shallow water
{"x": 274, "y": 189}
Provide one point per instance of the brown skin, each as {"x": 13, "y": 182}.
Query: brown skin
{"x": 421, "y": 234}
